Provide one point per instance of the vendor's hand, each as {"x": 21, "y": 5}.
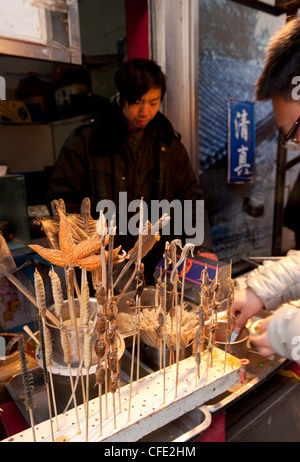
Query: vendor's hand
{"x": 261, "y": 342}
{"x": 246, "y": 304}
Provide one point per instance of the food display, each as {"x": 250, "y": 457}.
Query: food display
{"x": 79, "y": 242}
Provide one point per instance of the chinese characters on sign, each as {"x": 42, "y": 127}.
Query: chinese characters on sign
{"x": 241, "y": 141}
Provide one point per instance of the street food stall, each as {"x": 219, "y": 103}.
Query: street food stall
{"x": 84, "y": 358}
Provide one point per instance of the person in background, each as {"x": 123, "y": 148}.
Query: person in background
{"x": 277, "y": 284}
{"x": 130, "y": 147}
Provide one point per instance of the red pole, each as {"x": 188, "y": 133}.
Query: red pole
{"x": 137, "y": 28}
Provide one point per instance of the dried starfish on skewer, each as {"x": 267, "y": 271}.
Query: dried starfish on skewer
{"x": 68, "y": 253}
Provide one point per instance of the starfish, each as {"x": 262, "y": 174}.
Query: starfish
{"x": 82, "y": 225}
{"x": 72, "y": 254}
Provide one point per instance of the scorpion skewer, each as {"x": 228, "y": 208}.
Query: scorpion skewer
{"x": 186, "y": 249}
{"x": 110, "y": 313}
{"x": 167, "y": 262}
{"x": 214, "y": 304}
{"x": 229, "y": 324}
{"x": 86, "y": 316}
{"x": 174, "y": 307}
{"x": 198, "y": 343}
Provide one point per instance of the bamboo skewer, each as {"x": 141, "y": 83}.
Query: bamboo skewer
{"x": 102, "y": 231}
{"x": 41, "y": 302}
{"x": 65, "y": 340}
{"x": 73, "y": 318}
{"x": 45, "y": 373}
{"x": 166, "y": 264}
{"x": 46, "y": 381}
{"x": 31, "y": 334}
{"x": 87, "y": 365}
{"x": 48, "y": 351}
{"x": 28, "y": 386}
{"x": 139, "y": 278}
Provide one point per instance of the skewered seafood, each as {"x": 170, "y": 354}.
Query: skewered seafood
{"x": 100, "y": 348}
{"x": 101, "y": 323}
{"x": 100, "y": 374}
{"x": 65, "y": 343}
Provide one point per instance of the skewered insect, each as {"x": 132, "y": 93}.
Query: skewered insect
{"x": 48, "y": 346}
{"x": 40, "y": 293}
{"x": 110, "y": 310}
{"x": 87, "y": 352}
{"x": 100, "y": 375}
{"x": 65, "y": 343}
{"x": 100, "y": 348}
{"x": 111, "y": 334}
{"x": 57, "y": 293}
{"x": 113, "y": 360}
{"x": 114, "y": 382}
{"x": 100, "y": 295}
{"x": 85, "y": 304}
{"x": 101, "y": 323}
{"x": 26, "y": 376}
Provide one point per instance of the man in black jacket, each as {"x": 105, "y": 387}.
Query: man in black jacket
{"x": 130, "y": 148}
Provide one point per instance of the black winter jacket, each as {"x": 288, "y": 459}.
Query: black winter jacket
{"x": 93, "y": 163}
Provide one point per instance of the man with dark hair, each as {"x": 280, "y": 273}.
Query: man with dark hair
{"x": 274, "y": 284}
{"x": 280, "y": 82}
{"x": 130, "y": 147}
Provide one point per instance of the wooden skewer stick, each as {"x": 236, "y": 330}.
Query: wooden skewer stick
{"x": 74, "y": 397}
{"x": 32, "y": 424}
{"x": 187, "y": 248}
{"x": 48, "y": 349}
{"x": 87, "y": 365}
{"x": 64, "y": 333}
{"x": 31, "y": 334}
{"x": 102, "y": 231}
{"x": 70, "y": 290}
{"x": 165, "y": 317}
{"x": 27, "y": 386}
{"x": 136, "y": 320}
{"x": 41, "y": 303}
{"x": 230, "y": 300}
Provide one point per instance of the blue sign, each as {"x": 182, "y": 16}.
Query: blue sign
{"x": 193, "y": 270}
{"x": 241, "y": 141}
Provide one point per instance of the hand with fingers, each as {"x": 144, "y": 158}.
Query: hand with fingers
{"x": 245, "y": 305}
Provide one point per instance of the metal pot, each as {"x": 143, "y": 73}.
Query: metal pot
{"x": 58, "y": 355}
{"x": 238, "y": 348}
